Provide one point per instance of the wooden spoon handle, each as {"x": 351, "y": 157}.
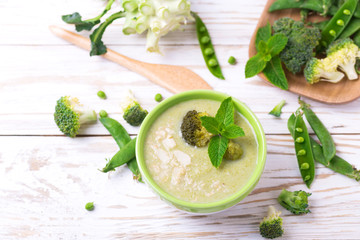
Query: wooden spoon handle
{"x": 174, "y": 78}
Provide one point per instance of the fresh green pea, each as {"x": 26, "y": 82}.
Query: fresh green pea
{"x": 158, "y": 97}
{"x": 89, "y": 206}
{"x": 207, "y": 47}
{"x": 212, "y": 62}
{"x": 340, "y": 22}
{"x": 305, "y": 166}
{"x": 332, "y": 30}
{"x": 304, "y": 152}
{"x": 299, "y": 140}
{"x": 351, "y": 28}
{"x": 209, "y": 51}
{"x": 103, "y": 114}
{"x": 232, "y": 60}
{"x": 300, "y": 130}
{"x": 124, "y": 155}
{"x": 101, "y": 94}
{"x": 337, "y": 164}
{"x": 121, "y": 137}
{"x": 320, "y": 130}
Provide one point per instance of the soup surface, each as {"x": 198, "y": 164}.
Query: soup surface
{"x": 185, "y": 171}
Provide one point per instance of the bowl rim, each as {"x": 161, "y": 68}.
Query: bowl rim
{"x": 211, "y": 95}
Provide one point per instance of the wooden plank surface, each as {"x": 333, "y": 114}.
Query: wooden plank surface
{"x": 46, "y": 178}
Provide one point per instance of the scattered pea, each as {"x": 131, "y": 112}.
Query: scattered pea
{"x": 346, "y": 12}
{"x": 209, "y": 51}
{"x": 103, "y": 113}
{"x": 304, "y": 166}
{"x": 101, "y": 94}
{"x": 299, "y": 140}
{"x": 158, "y": 97}
{"x": 232, "y": 60}
{"x": 212, "y": 62}
{"x": 340, "y": 22}
{"x": 205, "y": 40}
{"x": 301, "y": 152}
{"x": 89, "y": 206}
{"x": 299, "y": 130}
{"x": 332, "y": 33}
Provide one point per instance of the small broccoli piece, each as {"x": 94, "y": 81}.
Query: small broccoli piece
{"x": 70, "y": 115}
{"x": 271, "y": 226}
{"x": 322, "y": 70}
{"x": 192, "y": 131}
{"x": 345, "y": 52}
{"x": 277, "y": 109}
{"x": 133, "y": 113}
{"x": 296, "y": 202}
{"x": 234, "y": 151}
{"x": 301, "y": 43}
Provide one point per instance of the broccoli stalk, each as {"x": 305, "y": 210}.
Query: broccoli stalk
{"x": 296, "y": 202}
{"x": 301, "y": 43}
{"x": 134, "y": 114}
{"x": 70, "y": 115}
{"x": 277, "y": 109}
{"x": 345, "y": 52}
{"x": 271, "y": 226}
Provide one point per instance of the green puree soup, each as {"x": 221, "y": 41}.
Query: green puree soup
{"x": 185, "y": 171}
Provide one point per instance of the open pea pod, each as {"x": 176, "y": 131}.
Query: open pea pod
{"x": 351, "y": 28}
{"x": 338, "y": 22}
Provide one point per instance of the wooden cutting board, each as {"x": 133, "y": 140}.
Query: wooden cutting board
{"x": 342, "y": 92}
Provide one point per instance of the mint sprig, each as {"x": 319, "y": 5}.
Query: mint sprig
{"x": 223, "y": 128}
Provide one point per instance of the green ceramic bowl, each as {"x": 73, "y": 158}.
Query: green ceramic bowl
{"x": 201, "y": 207}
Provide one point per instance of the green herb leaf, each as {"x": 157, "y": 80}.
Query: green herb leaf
{"x": 80, "y": 25}
{"x": 275, "y": 73}
{"x": 217, "y": 148}
{"x": 263, "y": 47}
{"x": 225, "y": 113}
{"x": 276, "y": 44}
{"x": 263, "y": 34}
{"x": 233, "y": 131}
{"x": 97, "y": 45}
{"x": 211, "y": 124}
{"x": 255, "y": 65}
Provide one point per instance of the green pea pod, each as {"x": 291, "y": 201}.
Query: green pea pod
{"x": 313, "y": 5}
{"x": 351, "y": 28}
{"x": 207, "y": 48}
{"x": 303, "y": 151}
{"x": 337, "y": 164}
{"x": 338, "y": 23}
{"x": 124, "y": 155}
{"x": 357, "y": 39}
{"x": 321, "y": 132}
{"x": 121, "y": 137}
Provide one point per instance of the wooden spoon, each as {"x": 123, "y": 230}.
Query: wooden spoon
{"x": 174, "y": 78}
{"x": 342, "y": 92}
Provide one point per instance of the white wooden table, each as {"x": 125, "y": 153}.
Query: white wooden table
{"x": 46, "y": 178}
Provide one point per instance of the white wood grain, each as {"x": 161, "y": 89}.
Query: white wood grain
{"x": 59, "y": 175}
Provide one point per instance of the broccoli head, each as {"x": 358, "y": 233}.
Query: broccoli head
{"x": 70, "y": 115}
{"x": 234, "y": 151}
{"x": 301, "y": 43}
{"x": 271, "y": 226}
{"x": 192, "y": 131}
{"x": 296, "y": 202}
{"x": 133, "y": 113}
{"x": 345, "y": 52}
{"x": 322, "y": 70}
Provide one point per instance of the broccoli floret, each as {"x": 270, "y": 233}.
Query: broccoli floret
{"x": 296, "y": 202}
{"x": 322, "y": 70}
{"x": 301, "y": 43}
{"x": 192, "y": 131}
{"x": 277, "y": 109}
{"x": 234, "y": 151}
{"x": 70, "y": 115}
{"x": 133, "y": 113}
{"x": 345, "y": 52}
{"x": 271, "y": 226}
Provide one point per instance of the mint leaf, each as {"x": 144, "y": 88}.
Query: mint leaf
{"x": 217, "y": 148}
{"x": 276, "y": 44}
{"x": 225, "y": 113}
{"x": 263, "y": 47}
{"x": 263, "y": 34}
{"x": 233, "y": 131}
{"x": 211, "y": 124}
{"x": 255, "y": 65}
{"x": 275, "y": 73}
